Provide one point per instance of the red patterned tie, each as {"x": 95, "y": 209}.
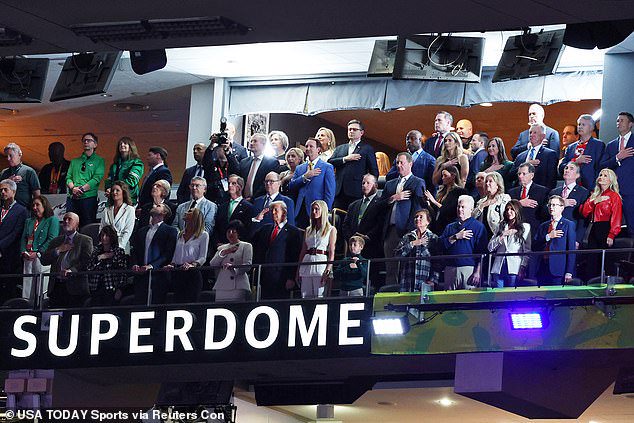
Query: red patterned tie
{"x": 523, "y": 193}
{"x": 274, "y": 233}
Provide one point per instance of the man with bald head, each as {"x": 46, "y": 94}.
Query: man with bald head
{"x": 464, "y": 128}
{"x": 536, "y": 115}
{"x": 68, "y": 254}
{"x": 424, "y": 163}
{"x": 183, "y": 194}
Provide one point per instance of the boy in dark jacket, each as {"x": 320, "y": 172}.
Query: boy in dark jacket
{"x": 353, "y": 272}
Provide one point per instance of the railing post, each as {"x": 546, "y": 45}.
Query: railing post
{"x": 258, "y": 289}
{"x": 603, "y": 266}
{"x": 149, "y": 287}
{"x": 367, "y": 279}
{"x": 489, "y": 270}
{"x": 39, "y": 297}
{"x": 481, "y": 267}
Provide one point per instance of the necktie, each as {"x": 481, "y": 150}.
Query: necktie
{"x": 622, "y": 143}
{"x": 523, "y": 193}
{"x": 401, "y": 184}
{"x": 364, "y": 207}
{"x": 248, "y": 189}
{"x": 564, "y": 192}
{"x": 276, "y": 230}
{"x": 552, "y": 226}
{"x": 199, "y": 171}
{"x": 310, "y": 166}
{"x": 232, "y": 206}
{"x": 267, "y": 201}
{"x": 192, "y": 205}
{"x": 531, "y": 154}
{"x": 439, "y": 139}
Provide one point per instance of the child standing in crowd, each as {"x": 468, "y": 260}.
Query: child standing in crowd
{"x": 353, "y": 272}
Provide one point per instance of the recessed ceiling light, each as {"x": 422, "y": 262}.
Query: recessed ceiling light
{"x": 106, "y": 95}
{"x": 486, "y": 104}
{"x": 575, "y": 100}
{"x": 445, "y": 402}
{"x": 401, "y": 109}
{"x": 8, "y": 111}
{"x": 131, "y": 107}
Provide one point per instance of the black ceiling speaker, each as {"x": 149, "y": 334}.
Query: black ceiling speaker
{"x": 598, "y": 34}
{"x": 146, "y": 61}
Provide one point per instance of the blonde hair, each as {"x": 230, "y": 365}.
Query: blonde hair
{"x": 614, "y": 184}
{"x": 197, "y": 223}
{"x": 444, "y": 154}
{"x": 323, "y": 226}
{"x": 383, "y": 161}
{"x": 497, "y": 178}
{"x": 331, "y": 137}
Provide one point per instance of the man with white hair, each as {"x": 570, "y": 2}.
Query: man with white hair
{"x": 464, "y": 236}
{"x": 28, "y": 185}
{"x": 12, "y": 218}
{"x": 208, "y": 209}
{"x": 587, "y": 153}
{"x": 536, "y": 116}
{"x": 542, "y": 158}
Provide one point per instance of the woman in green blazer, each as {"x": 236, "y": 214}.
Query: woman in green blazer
{"x": 127, "y": 166}
{"x": 38, "y": 232}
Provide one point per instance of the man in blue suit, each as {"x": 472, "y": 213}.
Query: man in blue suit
{"x": 587, "y": 152}
{"x": 424, "y": 163}
{"x": 352, "y": 160}
{"x": 479, "y": 154}
{"x": 557, "y": 234}
{"x": 536, "y": 115}
{"x": 442, "y": 125}
{"x": 574, "y": 196}
{"x": 262, "y": 204}
{"x": 208, "y": 209}
{"x": 542, "y": 158}
{"x": 402, "y": 198}
{"x": 313, "y": 180}
{"x": 618, "y": 157}
{"x": 13, "y": 215}
{"x": 153, "y": 248}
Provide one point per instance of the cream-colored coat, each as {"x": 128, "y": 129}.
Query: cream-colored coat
{"x": 232, "y": 279}
{"x": 495, "y": 213}
{"x": 510, "y": 244}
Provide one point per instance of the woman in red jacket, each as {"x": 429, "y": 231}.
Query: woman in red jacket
{"x": 606, "y": 208}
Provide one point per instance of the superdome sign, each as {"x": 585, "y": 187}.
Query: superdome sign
{"x": 169, "y": 334}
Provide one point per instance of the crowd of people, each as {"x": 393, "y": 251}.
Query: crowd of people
{"x": 456, "y": 193}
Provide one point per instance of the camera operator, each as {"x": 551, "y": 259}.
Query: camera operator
{"x": 217, "y": 166}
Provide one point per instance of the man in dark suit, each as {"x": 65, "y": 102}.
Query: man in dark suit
{"x": 157, "y": 169}
{"x": 442, "y": 125}
{"x": 618, "y": 157}
{"x": 153, "y": 248}
{"x": 277, "y": 242}
{"x": 12, "y": 218}
{"x": 574, "y": 196}
{"x": 542, "y": 158}
{"x": 424, "y": 163}
{"x": 478, "y": 154}
{"x": 365, "y": 217}
{"x": 182, "y": 195}
{"x": 402, "y": 198}
{"x": 587, "y": 152}
{"x": 556, "y": 234}
{"x": 53, "y": 175}
{"x": 351, "y": 162}
{"x": 253, "y": 169}
{"x": 312, "y": 180}
{"x": 67, "y": 254}
{"x": 536, "y": 115}
{"x": 262, "y": 204}
{"x": 532, "y": 197}
{"x": 237, "y": 208}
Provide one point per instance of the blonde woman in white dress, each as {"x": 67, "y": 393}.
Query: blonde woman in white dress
{"x": 319, "y": 245}
{"x": 120, "y": 214}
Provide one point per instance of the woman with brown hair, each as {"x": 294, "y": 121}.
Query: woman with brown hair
{"x": 120, "y": 214}
{"x": 446, "y": 202}
{"x": 126, "y": 166}
{"x": 512, "y": 236}
{"x": 106, "y": 287}
{"x": 497, "y": 161}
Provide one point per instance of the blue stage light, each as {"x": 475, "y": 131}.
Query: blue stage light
{"x": 528, "y": 320}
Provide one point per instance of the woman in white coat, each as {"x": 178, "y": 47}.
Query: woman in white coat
{"x": 513, "y": 236}
{"x": 232, "y": 284}
{"x": 490, "y": 209}
{"x": 120, "y": 214}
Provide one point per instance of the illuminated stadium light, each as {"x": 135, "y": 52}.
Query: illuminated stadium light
{"x": 390, "y": 325}
{"x": 527, "y": 320}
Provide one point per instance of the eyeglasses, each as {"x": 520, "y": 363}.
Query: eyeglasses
{"x": 88, "y": 140}
{"x": 196, "y": 185}
{"x": 271, "y": 181}
{"x": 555, "y": 205}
